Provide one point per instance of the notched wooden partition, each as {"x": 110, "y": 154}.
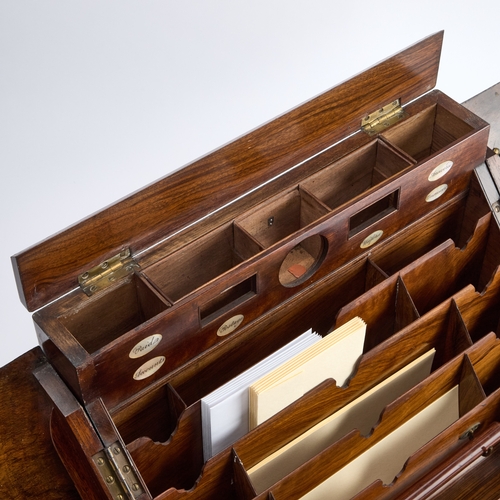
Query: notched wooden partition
{"x": 458, "y": 221}
{"x": 424, "y": 283}
{"x": 481, "y": 311}
{"x": 386, "y": 309}
{"x": 447, "y": 269}
{"x": 408, "y": 423}
{"x": 471, "y": 472}
{"x": 155, "y": 415}
{"x": 436, "y": 463}
{"x": 175, "y": 463}
{"x": 420, "y": 237}
{"x": 243, "y": 485}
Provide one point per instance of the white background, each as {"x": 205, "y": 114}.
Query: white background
{"x": 99, "y": 98}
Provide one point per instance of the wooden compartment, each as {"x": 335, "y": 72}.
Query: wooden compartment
{"x": 428, "y": 132}
{"x": 281, "y": 217}
{"x": 278, "y": 218}
{"x": 357, "y": 172}
{"x": 325, "y": 468}
{"x": 154, "y": 416}
{"x": 481, "y": 312}
{"x": 127, "y": 306}
{"x": 196, "y": 264}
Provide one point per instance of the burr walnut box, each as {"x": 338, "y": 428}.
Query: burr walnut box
{"x": 368, "y": 200}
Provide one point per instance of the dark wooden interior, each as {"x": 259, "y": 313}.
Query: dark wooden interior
{"x": 428, "y": 132}
{"x": 356, "y": 173}
{"x": 127, "y": 306}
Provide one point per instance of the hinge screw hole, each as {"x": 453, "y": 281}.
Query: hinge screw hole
{"x": 487, "y": 451}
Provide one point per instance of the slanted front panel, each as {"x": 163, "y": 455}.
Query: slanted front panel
{"x": 50, "y": 268}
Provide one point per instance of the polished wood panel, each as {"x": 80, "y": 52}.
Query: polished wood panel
{"x": 50, "y": 268}
{"x": 30, "y": 467}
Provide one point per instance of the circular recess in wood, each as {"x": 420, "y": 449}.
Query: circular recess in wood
{"x": 303, "y": 260}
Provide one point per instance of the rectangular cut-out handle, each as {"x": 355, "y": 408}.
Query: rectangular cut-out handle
{"x": 373, "y": 213}
{"x": 228, "y": 299}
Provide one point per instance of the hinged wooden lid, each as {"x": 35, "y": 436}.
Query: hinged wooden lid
{"x": 51, "y": 268}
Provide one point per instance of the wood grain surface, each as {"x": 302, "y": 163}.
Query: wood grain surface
{"x": 50, "y": 268}
{"x": 30, "y": 467}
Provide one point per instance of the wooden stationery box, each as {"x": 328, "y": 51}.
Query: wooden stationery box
{"x": 364, "y": 201}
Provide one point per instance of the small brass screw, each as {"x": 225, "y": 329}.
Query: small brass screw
{"x": 110, "y": 479}
{"x": 496, "y": 151}
{"x": 135, "y": 487}
{"x": 100, "y": 461}
{"x": 126, "y": 468}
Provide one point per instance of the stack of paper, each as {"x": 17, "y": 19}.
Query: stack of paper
{"x": 363, "y": 414}
{"x": 334, "y": 356}
{"x": 224, "y": 412}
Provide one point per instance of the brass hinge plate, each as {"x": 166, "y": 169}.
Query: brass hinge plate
{"x": 382, "y": 118}
{"x": 117, "y": 473}
{"x": 106, "y": 273}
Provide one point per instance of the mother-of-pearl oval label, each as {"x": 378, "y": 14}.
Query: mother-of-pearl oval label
{"x": 149, "y": 367}
{"x": 230, "y": 325}
{"x": 441, "y": 170}
{"x": 436, "y": 193}
{"x": 145, "y": 345}
{"x": 372, "y": 239}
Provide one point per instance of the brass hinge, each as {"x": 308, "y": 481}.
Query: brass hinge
{"x": 382, "y": 118}
{"x": 118, "y": 473}
{"x": 106, "y": 273}
{"x": 469, "y": 433}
